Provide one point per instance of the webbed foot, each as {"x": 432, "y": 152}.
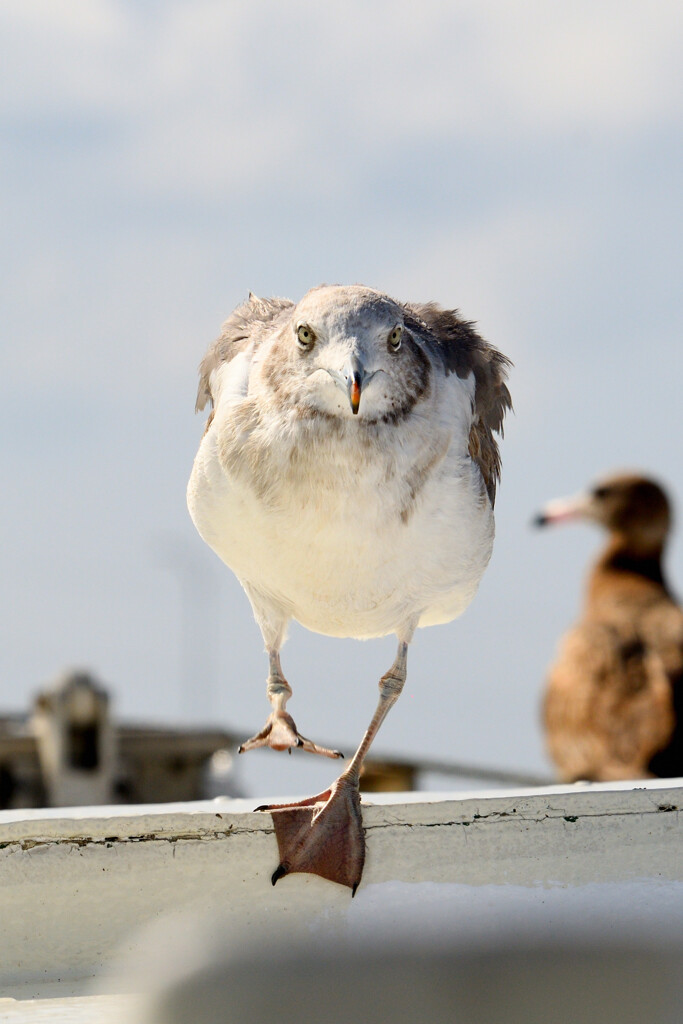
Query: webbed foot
{"x": 322, "y": 835}
{"x": 281, "y": 733}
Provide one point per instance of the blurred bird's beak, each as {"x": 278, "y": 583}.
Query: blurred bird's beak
{"x": 562, "y": 510}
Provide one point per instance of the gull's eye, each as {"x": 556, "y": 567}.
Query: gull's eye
{"x": 305, "y": 336}
{"x": 600, "y": 493}
{"x": 395, "y": 338}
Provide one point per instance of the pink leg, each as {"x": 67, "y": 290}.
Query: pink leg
{"x": 323, "y": 835}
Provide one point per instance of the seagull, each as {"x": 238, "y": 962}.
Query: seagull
{"x": 347, "y": 476}
{"x": 613, "y": 706}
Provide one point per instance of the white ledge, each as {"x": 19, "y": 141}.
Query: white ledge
{"x": 75, "y": 884}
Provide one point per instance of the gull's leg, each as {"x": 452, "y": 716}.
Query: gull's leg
{"x": 324, "y": 834}
{"x": 280, "y": 731}
{"x": 390, "y": 689}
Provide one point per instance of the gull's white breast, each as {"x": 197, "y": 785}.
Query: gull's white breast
{"x": 349, "y": 536}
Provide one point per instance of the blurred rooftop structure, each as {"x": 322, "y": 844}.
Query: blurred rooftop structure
{"x": 69, "y": 750}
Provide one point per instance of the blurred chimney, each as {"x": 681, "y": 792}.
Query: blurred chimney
{"x": 76, "y": 741}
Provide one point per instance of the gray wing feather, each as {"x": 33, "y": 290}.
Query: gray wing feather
{"x": 464, "y": 351}
{"x": 245, "y": 326}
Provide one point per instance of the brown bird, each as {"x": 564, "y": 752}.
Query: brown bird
{"x": 613, "y": 706}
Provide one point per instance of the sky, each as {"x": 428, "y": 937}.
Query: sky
{"x": 521, "y": 162}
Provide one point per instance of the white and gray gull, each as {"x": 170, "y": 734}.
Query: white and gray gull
{"x": 347, "y": 476}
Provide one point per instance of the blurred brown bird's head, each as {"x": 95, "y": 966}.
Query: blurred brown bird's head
{"x": 628, "y": 505}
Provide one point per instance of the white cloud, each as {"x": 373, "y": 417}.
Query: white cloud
{"x": 214, "y": 96}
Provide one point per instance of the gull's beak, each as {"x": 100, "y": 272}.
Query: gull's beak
{"x": 354, "y": 376}
{"x": 352, "y": 379}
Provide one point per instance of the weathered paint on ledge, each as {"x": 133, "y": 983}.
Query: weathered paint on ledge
{"x": 74, "y": 885}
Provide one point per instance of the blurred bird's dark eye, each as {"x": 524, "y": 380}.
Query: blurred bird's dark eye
{"x": 395, "y": 338}
{"x": 305, "y": 336}
{"x": 600, "y": 492}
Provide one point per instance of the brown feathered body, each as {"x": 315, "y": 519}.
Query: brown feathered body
{"x": 612, "y": 708}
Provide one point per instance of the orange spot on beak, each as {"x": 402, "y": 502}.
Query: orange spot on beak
{"x": 354, "y": 396}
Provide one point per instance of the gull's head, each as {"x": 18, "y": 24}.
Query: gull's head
{"x": 347, "y": 352}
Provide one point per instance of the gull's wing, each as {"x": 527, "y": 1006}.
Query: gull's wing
{"x": 246, "y": 326}
{"x": 463, "y": 352}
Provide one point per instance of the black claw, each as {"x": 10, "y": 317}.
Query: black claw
{"x": 299, "y": 742}
{"x": 262, "y": 807}
{"x": 353, "y": 888}
{"x": 240, "y": 749}
{"x": 289, "y": 750}
{"x": 278, "y": 873}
